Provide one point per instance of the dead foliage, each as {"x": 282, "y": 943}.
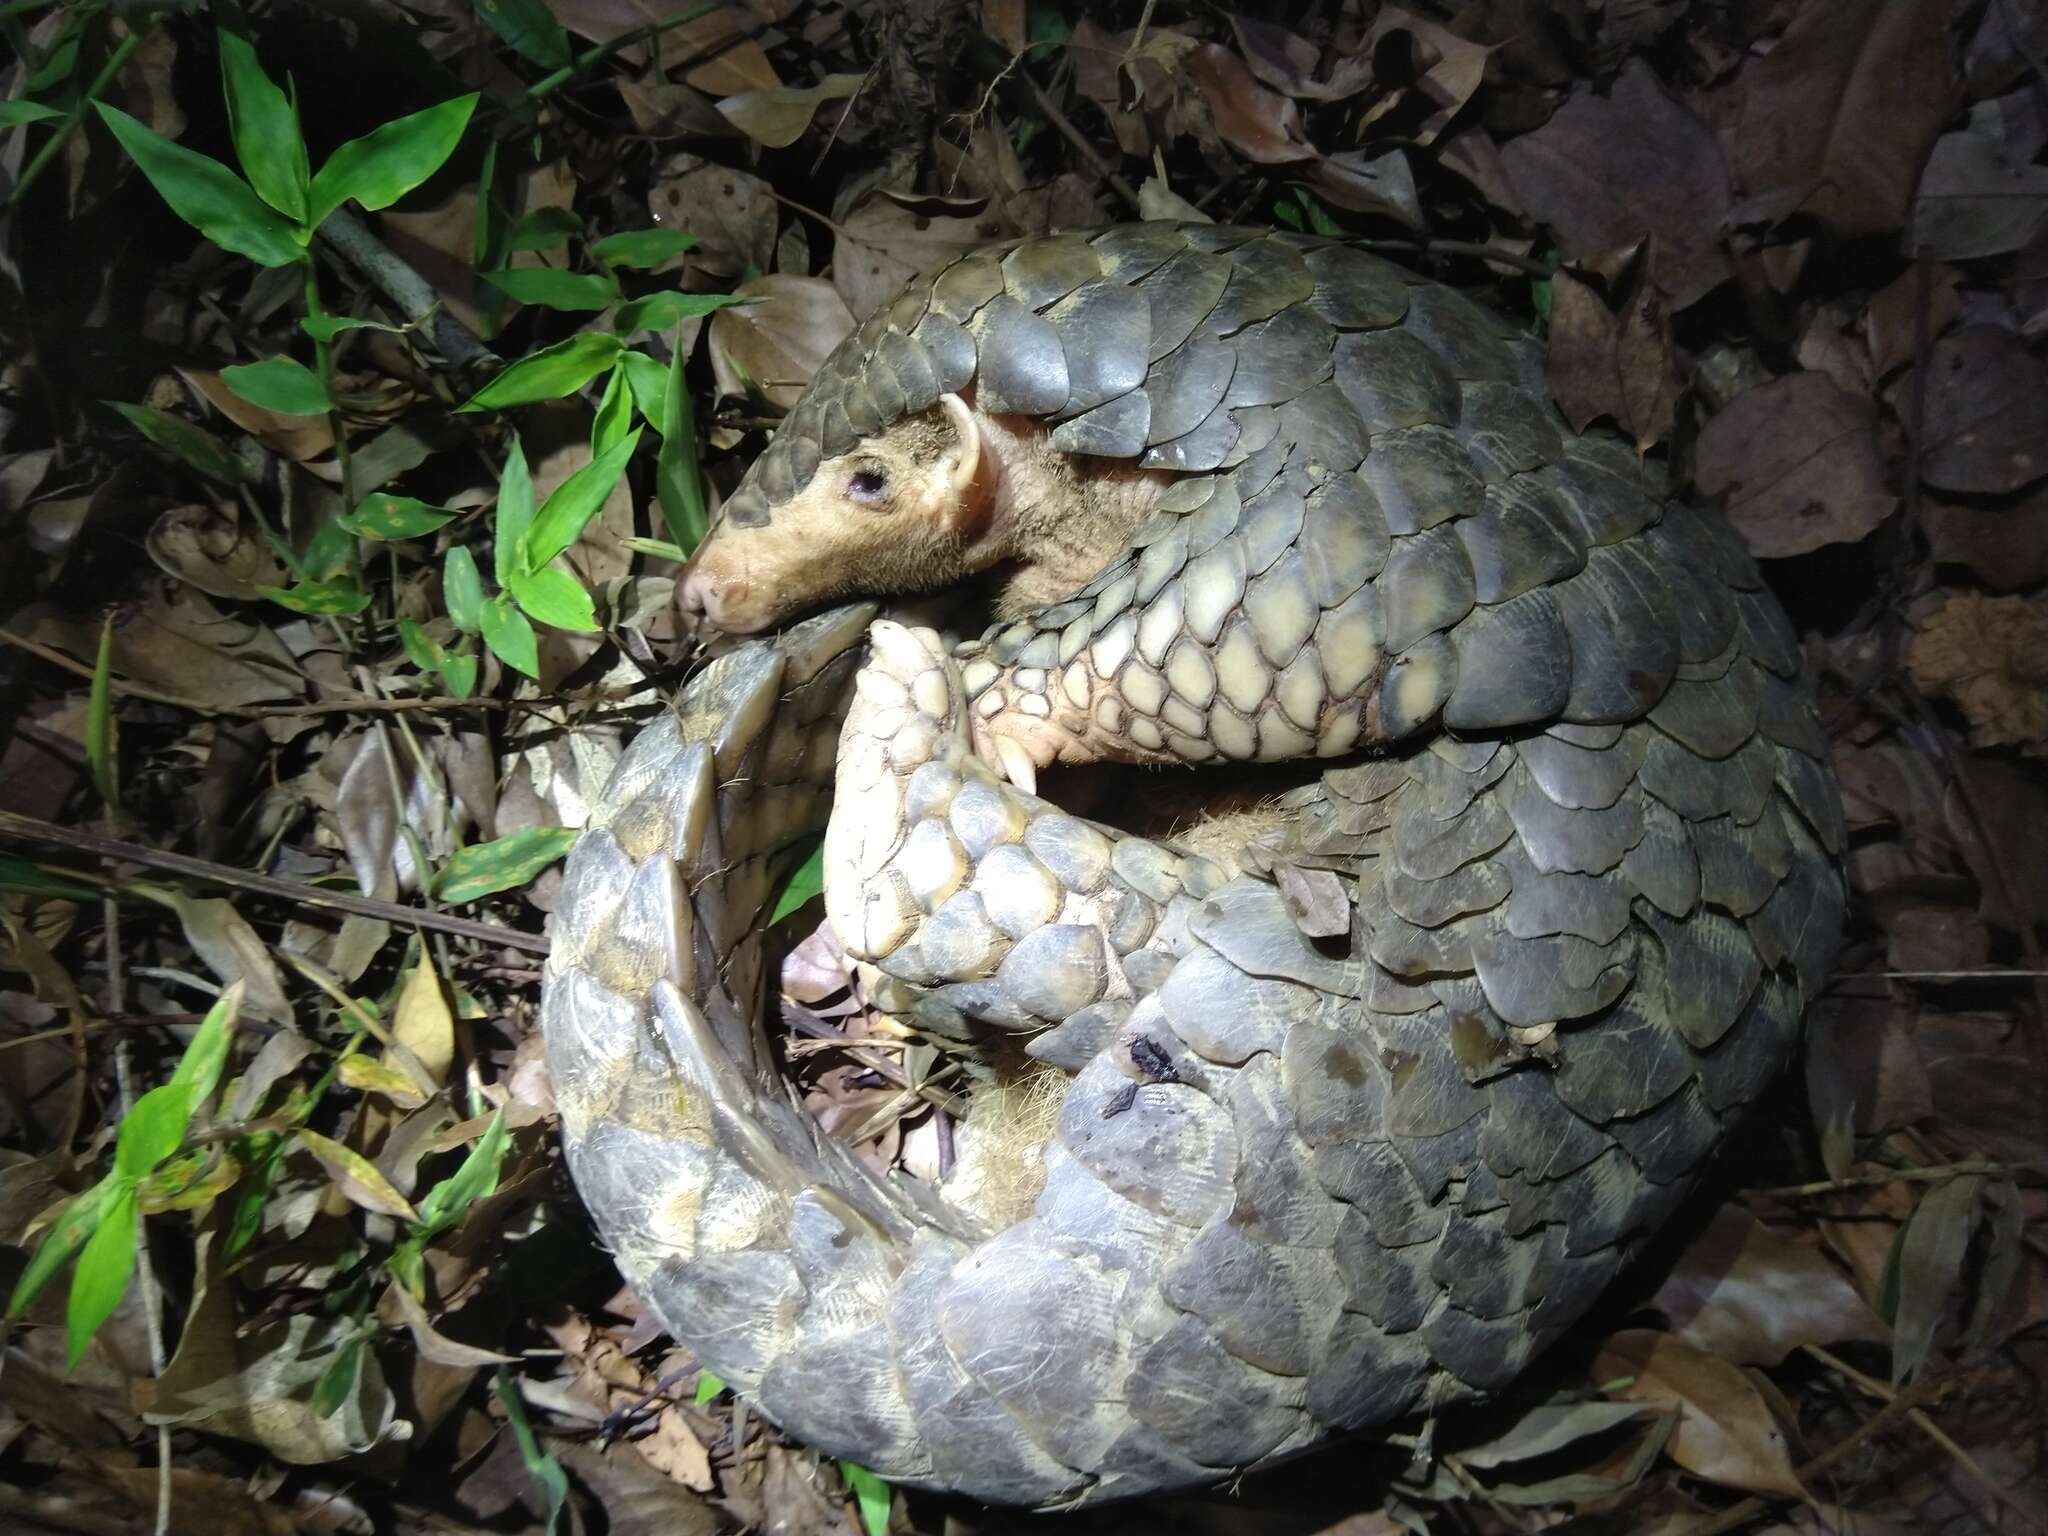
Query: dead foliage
{"x": 337, "y": 1279}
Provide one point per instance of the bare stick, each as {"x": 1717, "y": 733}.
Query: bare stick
{"x": 298, "y": 892}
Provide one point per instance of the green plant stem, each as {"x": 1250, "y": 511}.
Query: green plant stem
{"x": 547, "y": 84}
{"x": 61, "y": 135}
{"x": 323, "y": 363}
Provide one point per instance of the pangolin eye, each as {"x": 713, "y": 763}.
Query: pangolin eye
{"x": 867, "y": 484}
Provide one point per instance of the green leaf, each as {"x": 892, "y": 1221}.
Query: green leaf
{"x": 514, "y": 515}
{"x": 68, "y": 1234}
{"x": 336, "y": 1383}
{"x": 549, "y": 373}
{"x": 659, "y": 311}
{"x": 1540, "y": 299}
{"x": 543, "y": 230}
{"x": 1287, "y": 211}
{"x": 151, "y": 1131}
{"x": 459, "y": 669}
{"x": 18, "y": 877}
{"x": 476, "y": 1179}
{"x": 574, "y": 503}
{"x": 339, "y": 596}
{"x": 328, "y": 553}
{"x": 555, "y": 289}
{"x": 502, "y": 865}
{"x": 395, "y": 517}
{"x": 510, "y": 637}
{"x": 266, "y": 129}
{"x": 709, "y": 1385}
{"x": 805, "y": 881}
{"x": 660, "y": 549}
{"x": 614, "y": 413}
{"x": 676, "y": 482}
{"x": 648, "y": 380}
{"x": 548, "y": 1477}
{"x": 105, "y": 1266}
{"x": 101, "y": 742}
{"x": 195, "y": 445}
{"x": 327, "y": 327}
{"x": 552, "y": 596}
{"x": 15, "y": 113}
{"x": 383, "y": 165}
{"x": 462, "y": 590}
{"x": 642, "y": 247}
{"x": 528, "y": 29}
{"x": 419, "y": 646}
{"x": 206, "y": 1052}
{"x": 279, "y": 384}
{"x": 207, "y": 195}
{"x": 871, "y": 1494}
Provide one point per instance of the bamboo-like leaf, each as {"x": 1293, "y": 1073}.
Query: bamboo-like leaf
{"x": 279, "y": 384}
{"x": 195, "y": 445}
{"x": 395, "y": 517}
{"x": 871, "y": 1494}
{"x": 550, "y": 373}
{"x": 383, "y": 165}
{"x": 552, "y": 288}
{"x": 553, "y": 596}
{"x": 642, "y": 247}
{"x": 102, "y": 744}
{"x": 207, "y": 195}
{"x": 677, "y": 484}
{"x": 501, "y": 865}
{"x": 265, "y": 127}
{"x": 510, "y": 637}
{"x": 514, "y": 514}
{"x": 105, "y": 1266}
{"x": 574, "y": 503}
{"x": 357, "y": 1177}
{"x": 462, "y": 589}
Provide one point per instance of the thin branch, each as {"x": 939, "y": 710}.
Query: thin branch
{"x": 297, "y": 892}
{"x": 1736, "y": 1517}
{"x": 1087, "y": 151}
{"x": 412, "y": 295}
{"x": 1889, "y": 1176}
{"x": 1872, "y": 1387}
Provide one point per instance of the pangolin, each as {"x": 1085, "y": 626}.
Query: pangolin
{"x": 1358, "y": 1112}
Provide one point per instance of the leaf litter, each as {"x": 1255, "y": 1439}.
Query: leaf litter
{"x": 1795, "y": 250}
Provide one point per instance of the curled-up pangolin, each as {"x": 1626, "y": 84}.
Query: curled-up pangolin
{"x": 1251, "y": 496}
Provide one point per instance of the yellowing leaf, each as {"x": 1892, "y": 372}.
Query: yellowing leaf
{"x": 422, "y": 1023}
{"x": 357, "y": 1177}
{"x": 394, "y": 1083}
{"x": 1725, "y": 1430}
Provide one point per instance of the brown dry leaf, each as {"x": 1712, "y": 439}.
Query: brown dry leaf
{"x": 1990, "y": 656}
{"x": 301, "y": 438}
{"x": 774, "y": 347}
{"x": 713, "y": 51}
{"x": 1006, "y": 21}
{"x": 1931, "y": 1258}
{"x": 1382, "y": 182}
{"x": 257, "y": 1384}
{"x": 1836, "y": 120}
{"x": 401, "y": 1306}
{"x": 610, "y": 1382}
{"x": 1972, "y": 203}
{"x": 1296, "y": 67}
{"x": 1098, "y": 77}
{"x": 181, "y": 644}
{"x": 1725, "y": 1431}
{"x": 1987, "y": 413}
{"x": 2005, "y": 547}
{"x": 1606, "y": 171}
{"x": 1751, "y": 1294}
{"x": 732, "y": 214}
{"x": 231, "y": 949}
{"x": 1893, "y": 318}
{"x": 222, "y": 559}
{"x": 1620, "y": 366}
{"x": 1448, "y": 69}
{"x": 1262, "y": 125}
{"x": 888, "y": 239}
{"x": 667, "y": 109}
{"x": 1798, "y": 462}
{"x": 777, "y": 117}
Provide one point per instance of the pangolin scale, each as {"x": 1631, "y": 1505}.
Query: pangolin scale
{"x": 1576, "y": 797}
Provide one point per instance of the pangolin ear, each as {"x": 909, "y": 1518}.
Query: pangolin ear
{"x": 961, "y": 466}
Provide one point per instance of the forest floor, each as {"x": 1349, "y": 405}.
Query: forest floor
{"x": 265, "y": 742}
